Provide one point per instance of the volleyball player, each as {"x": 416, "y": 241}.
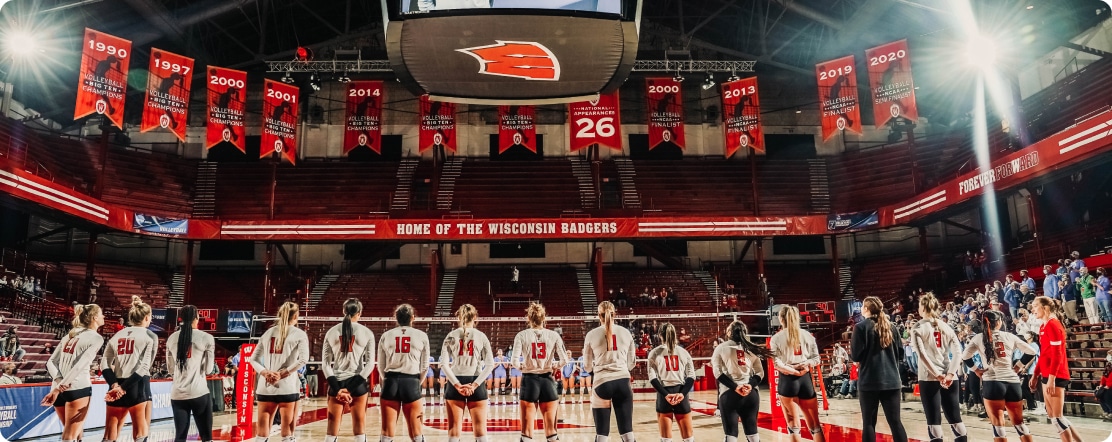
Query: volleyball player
{"x": 69, "y": 365}
{"x": 403, "y": 355}
{"x": 874, "y": 346}
{"x": 672, "y": 375}
{"x": 514, "y": 374}
{"x": 584, "y": 376}
{"x": 189, "y": 358}
{"x": 497, "y": 379}
{"x": 543, "y": 351}
{"x": 568, "y": 373}
{"x": 737, "y": 365}
{"x": 348, "y": 356}
{"x": 126, "y": 367}
{"x": 282, "y": 350}
{"x": 796, "y": 355}
{"x": 429, "y": 381}
{"x": 1000, "y": 383}
{"x": 471, "y": 362}
{"x": 1052, "y": 370}
{"x": 938, "y": 348}
{"x": 609, "y": 354}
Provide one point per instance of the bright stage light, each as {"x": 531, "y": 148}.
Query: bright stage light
{"x": 980, "y": 52}
{"x": 20, "y": 43}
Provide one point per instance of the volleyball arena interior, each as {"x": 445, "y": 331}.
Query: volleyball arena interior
{"x": 555, "y": 220}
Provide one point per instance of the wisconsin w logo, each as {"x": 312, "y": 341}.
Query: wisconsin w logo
{"x": 518, "y": 59}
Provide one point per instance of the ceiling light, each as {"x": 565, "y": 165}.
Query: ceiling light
{"x": 314, "y": 82}
{"x": 344, "y": 78}
{"x": 678, "y": 78}
{"x": 980, "y": 51}
{"x": 709, "y": 82}
{"x": 288, "y": 78}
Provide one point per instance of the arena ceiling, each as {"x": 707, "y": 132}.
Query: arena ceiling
{"x": 786, "y": 37}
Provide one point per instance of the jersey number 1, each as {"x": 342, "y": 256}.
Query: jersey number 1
{"x": 401, "y": 344}
{"x": 540, "y": 350}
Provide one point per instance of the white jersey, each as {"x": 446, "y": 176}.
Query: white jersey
{"x": 612, "y": 360}
{"x": 358, "y": 360}
{"x": 806, "y": 353}
{"x": 731, "y": 359}
{"x": 130, "y": 351}
{"x": 290, "y": 356}
{"x": 190, "y": 382}
{"x": 671, "y": 368}
{"x": 470, "y": 355}
{"x": 1004, "y": 346}
{"x": 938, "y": 348}
{"x": 404, "y": 350}
{"x": 543, "y": 350}
{"x": 73, "y": 357}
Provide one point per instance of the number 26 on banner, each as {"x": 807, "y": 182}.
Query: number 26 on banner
{"x": 588, "y": 128}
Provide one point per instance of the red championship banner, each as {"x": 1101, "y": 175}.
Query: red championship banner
{"x": 437, "y": 123}
{"x": 279, "y": 121}
{"x": 741, "y": 116}
{"x": 227, "y": 98}
{"x": 516, "y": 128}
{"x": 103, "y": 78}
{"x": 596, "y": 122}
{"x": 167, "y": 104}
{"x": 838, "y": 97}
{"x": 890, "y": 82}
{"x": 245, "y": 395}
{"x": 665, "y": 113}
{"x": 363, "y": 125}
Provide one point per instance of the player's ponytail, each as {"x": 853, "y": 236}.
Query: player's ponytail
{"x": 138, "y": 312}
{"x": 789, "y": 320}
{"x": 286, "y": 314}
{"x": 990, "y": 319}
{"x": 352, "y": 307}
{"x": 929, "y": 306}
{"x": 875, "y": 307}
{"x": 606, "y": 316}
{"x": 466, "y": 315}
{"x": 668, "y": 335}
{"x": 535, "y": 315}
{"x": 739, "y": 334}
{"x": 186, "y": 315}
{"x": 84, "y": 317}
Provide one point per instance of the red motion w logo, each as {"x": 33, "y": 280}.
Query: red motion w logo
{"x": 517, "y": 59}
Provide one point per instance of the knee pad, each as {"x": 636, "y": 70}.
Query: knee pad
{"x": 959, "y": 429}
{"x": 998, "y": 432}
{"x": 597, "y": 402}
{"x": 793, "y": 430}
{"x": 934, "y": 432}
{"x": 553, "y": 438}
{"x": 600, "y": 438}
{"x": 1022, "y": 430}
{"x": 1062, "y": 424}
{"x": 385, "y": 439}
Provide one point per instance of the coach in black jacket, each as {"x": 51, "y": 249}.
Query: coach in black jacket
{"x": 875, "y": 346}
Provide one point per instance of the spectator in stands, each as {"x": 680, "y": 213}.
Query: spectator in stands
{"x": 841, "y": 356}
{"x": 982, "y": 262}
{"x": 967, "y": 264}
{"x": 1103, "y": 391}
{"x": 1027, "y": 370}
{"x": 967, "y": 306}
{"x": 1062, "y": 268}
{"x": 684, "y": 337}
{"x": 763, "y": 291}
{"x": 93, "y": 285}
{"x": 1076, "y": 263}
{"x": 1027, "y": 280}
{"x": 3, "y": 280}
{"x": 1050, "y": 283}
{"x": 37, "y": 287}
{"x": 515, "y": 279}
{"x": 849, "y": 388}
{"x": 998, "y": 289}
{"x": 1073, "y": 272}
{"x": 1068, "y": 293}
{"x": 1011, "y": 297}
{"x": 1104, "y": 302}
{"x": 1086, "y": 286}
{"x": 10, "y": 347}
{"x": 7, "y": 374}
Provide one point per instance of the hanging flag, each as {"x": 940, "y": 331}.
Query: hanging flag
{"x": 437, "y": 124}
{"x": 516, "y": 128}
{"x": 279, "y": 121}
{"x": 838, "y": 97}
{"x": 665, "y": 113}
{"x": 891, "y": 84}
{"x": 363, "y": 126}
{"x": 741, "y": 116}
{"x": 227, "y": 98}
{"x": 102, "y": 81}
{"x": 168, "y": 83}
{"x": 596, "y": 121}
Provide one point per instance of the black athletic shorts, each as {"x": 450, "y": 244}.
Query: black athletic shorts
{"x": 538, "y": 388}
{"x": 662, "y": 406}
{"x": 401, "y": 387}
{"x": 355, "y": 385}
{"x": 800, "y": 387}
{"x": 1059, "y": 382}
{"x": 1001, "y": 391}
{"x": 68, "y": 396}
{"x": 480, "y": 393}
{"x": 278, "y": 398}
{"x": 136, "y": 391}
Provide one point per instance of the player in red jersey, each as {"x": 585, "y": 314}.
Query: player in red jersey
{"x": 1052, "y": 370}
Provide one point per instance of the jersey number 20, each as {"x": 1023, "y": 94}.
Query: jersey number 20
{"x": 125, "y": 346}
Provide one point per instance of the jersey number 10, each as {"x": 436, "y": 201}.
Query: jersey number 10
{"x": 672, "y": 363}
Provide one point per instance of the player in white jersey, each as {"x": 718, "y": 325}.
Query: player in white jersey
{"x": 543, "y": 351}
{"x": 189, "y": 357}
{"x": 939, "y": 353}
{"x": 69, "y": 368}
{"x": 737, "y": 365}
{"x": 1000, "y": 386}
{"x": 609, "y": 354}
{"x": 126, "y": 367}
{"x": 349, "y": 358}
{"x": 403, "y": 356}
{"x": 468, "y": 351}
{"x": 672, "y": 375}
{"x": 283, "y": 349}
{"x": 797, "y": 355}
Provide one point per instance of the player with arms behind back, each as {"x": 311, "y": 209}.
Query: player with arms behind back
{"x": 283, "y": 349}
{"x": 609, "y": 354}
{"x": 672, "y": 375}
{"x": 349, "y": 358}
{"x": 403, "y": 355}
{"x": 543, "y": 353}
{"x": 126, "y": 367}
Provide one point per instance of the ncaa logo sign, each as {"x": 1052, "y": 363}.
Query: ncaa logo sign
{"x": 517, "y": 59}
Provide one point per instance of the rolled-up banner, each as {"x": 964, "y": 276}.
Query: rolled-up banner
{"x": 436, "y": 121}
{"x": 280, "y": 104}
{"x": 893, "y": 90}
{"x": 595, "y": 122}
{"x": 363, "y": 125}
{"x": 102, "y": 81}
{"x": 741, "y": 116}
{"x": 838, "y": 101}
{"x": 516, "y": 128}
{"x": 167, "y": 104}
{"x": 227, "y": 98}
{"x": 665, "y": 113}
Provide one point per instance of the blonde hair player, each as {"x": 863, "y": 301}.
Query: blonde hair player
{"x": 569, "y": 373}
{"x": 403, "y": 355}
{"x": 672, "y": 375}
{"x": 282, "y": 350}
{"x": 469, "y": 357}
{"x": 349, "y": 358}
{"x": 1000, "y": 384}
{"x": 609, "y": 354}
{"x": 938, "y": 348}
{"x": 543, "y": 351}
{"x": 69, "y": 368}
{"x": 189, "y": 357}
{"x": 796, "y": 355}
{"x": 737, "y": 365}
{"x": 126, "y": 367}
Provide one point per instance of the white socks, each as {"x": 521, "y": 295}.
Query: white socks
{"x": 260, "y": 438}
{"x": 629, "y": 437}
{"x": 453, "y": 439}
{"x": 419, "y": 438}
{"x": 482, "y": 439}
{"x": 360, "y": 438}
{"x": 753, "y": 438}
{"x": 730, "y": 438}
{"x": 664, "y": 439}
{"x": 385, "y": 439}
{"x": 690, "y": 439}
{"x": 600, "y": 438}
{"x": 331, "y": 438}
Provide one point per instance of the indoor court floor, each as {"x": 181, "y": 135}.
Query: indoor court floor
{"x": 842, "y": 423}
